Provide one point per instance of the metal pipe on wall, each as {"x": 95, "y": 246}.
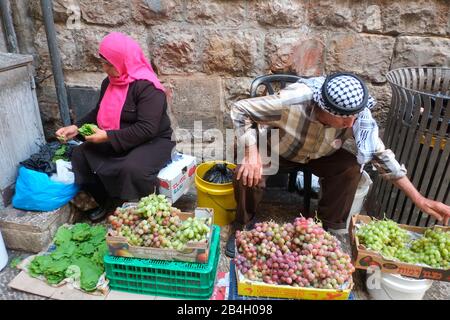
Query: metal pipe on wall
{"x": 11, "y": 39}
{"x": 47, "y": 12}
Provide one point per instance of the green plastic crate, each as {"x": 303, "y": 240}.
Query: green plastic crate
{"x": 175, "y": 279}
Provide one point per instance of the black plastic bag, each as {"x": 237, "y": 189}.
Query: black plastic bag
{"x": 43, "y": 161}
{"x": 219, "y": 173}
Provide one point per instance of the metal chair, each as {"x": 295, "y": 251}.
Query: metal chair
{"x": 282, "y": 79}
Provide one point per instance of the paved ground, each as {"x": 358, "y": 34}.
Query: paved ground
{"x": 277, "y": 205}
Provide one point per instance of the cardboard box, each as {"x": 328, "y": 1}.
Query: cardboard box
{"x": 176, "y": 178}
{"x": 365, "y": 258}
{"x": 194, "y": 251}
{"x": 261, "y": 289}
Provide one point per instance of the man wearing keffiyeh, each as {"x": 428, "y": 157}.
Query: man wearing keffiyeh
{"x": 315, "y": 118}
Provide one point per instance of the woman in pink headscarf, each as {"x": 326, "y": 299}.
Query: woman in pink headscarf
{"x": 122, "y": 159}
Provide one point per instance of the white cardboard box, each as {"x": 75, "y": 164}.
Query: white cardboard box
{"x": 176, "y": 178}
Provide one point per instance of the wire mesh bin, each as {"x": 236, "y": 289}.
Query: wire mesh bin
{"x": 417, "y": 131}
{"x": 184, "y": 280}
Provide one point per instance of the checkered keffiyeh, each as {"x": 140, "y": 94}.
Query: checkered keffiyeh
{"x": 346, "y": 92}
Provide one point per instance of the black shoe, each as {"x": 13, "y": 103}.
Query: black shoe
{"x": 231, "y": 246}
{"x": 101, "y": 212}
{"x": 98, "y": 214}
{"x": 251, "y": 224}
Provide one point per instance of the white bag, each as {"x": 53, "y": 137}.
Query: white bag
{"x": 63, "y": 173}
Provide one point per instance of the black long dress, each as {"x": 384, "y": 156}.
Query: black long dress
{"x": 126, "y": 167}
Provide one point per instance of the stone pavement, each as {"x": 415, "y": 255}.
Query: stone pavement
{"x": 278, "y": 205}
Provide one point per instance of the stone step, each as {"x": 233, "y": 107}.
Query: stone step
{"x": 31, "y": 231}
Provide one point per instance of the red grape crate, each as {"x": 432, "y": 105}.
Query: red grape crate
{"x": 295, "y": 260}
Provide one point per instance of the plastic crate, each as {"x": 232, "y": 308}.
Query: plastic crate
{"x": 174, "y": 279}
{"x": 233, "y": 292}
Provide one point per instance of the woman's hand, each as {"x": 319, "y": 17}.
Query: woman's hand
{"x": 66, "y": 133}
{"x": 98, "y": 137}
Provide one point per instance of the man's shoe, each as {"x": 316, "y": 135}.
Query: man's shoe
{"x": 251, "y": 224}
{"x": 231, "y": 246}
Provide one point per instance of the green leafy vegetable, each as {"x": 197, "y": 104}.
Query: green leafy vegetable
{"x": 90, "y": 273}
{"x": 98, "y": 234}
{"x": 56, "y": 270}
{"x": 39, "y": 265}
{"x": 60, "y": 153}
{"x": 85, "y": 249}
{"x": 99, "y": 254}
{"x": 65, "y": 250}
{"x": 73, "y": 272}
{"x": 63, "y": 235}
{"x": 81, "y": 232}
{"x": 78, "y": 255}
{"x": 87, "y": 129}
{"x": 15, "y": 262}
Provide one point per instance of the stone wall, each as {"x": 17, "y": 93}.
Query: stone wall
{"x": 208, "y": 51}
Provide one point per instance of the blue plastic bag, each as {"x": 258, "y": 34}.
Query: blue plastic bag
{"x": 36, "y": 192}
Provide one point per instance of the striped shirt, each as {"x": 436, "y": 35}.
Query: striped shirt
{"x": 302, "y": 136}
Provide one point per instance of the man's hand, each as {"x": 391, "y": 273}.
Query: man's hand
{"x": 251, "y": 168}
{"x": 98, "y": 137}
{"x": 436, "y": 209}
{"x": 66, "y": 133}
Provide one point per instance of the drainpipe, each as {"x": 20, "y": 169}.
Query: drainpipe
{"x": 11, "y": 39}
{"x": 47, "y": 12}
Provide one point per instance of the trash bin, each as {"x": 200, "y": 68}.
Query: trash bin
{"x": 417, "y": 131}
{"x": 220, "y": 197}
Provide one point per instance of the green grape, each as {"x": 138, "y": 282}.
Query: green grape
{"x": 433, "y": 248}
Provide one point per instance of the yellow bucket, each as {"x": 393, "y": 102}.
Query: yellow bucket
{"x": 220, "y": 197}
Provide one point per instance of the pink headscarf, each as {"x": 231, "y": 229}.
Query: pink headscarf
{"x": 127, "y": 57}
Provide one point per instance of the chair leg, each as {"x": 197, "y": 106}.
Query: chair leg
{"x": 307, "y": 180}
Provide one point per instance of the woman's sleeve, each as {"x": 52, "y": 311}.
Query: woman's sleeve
{"x": 150, "y": 104}
{"x": 91, "y": 116}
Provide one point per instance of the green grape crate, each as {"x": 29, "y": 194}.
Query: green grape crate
{"x": 184, "y": 280}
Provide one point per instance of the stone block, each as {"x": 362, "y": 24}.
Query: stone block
{"x": 415, "y": 17}
{"x": 421, "y": 51}
{"x": 372, "y": 19}
{"x": 111, "y": 13}
{"x": 278, "y": 13}
{"x": 278, "y": 49}
{"x": 332, "y": 14}
{"x": 366, "y": 55}
{"x": 155, "y": 12}
{"x": 31, "y": 231}
{"x": 174, "y": 49}
{"x": 216, "y": 12}
{"x": 196, "y": 98}
{"x": 71, "y": 56}
{"x": 237, "y": 52}
{"x": 293, "y": 52}
{"x": 307, "y": 57}
{"x": 60, "y": 7}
